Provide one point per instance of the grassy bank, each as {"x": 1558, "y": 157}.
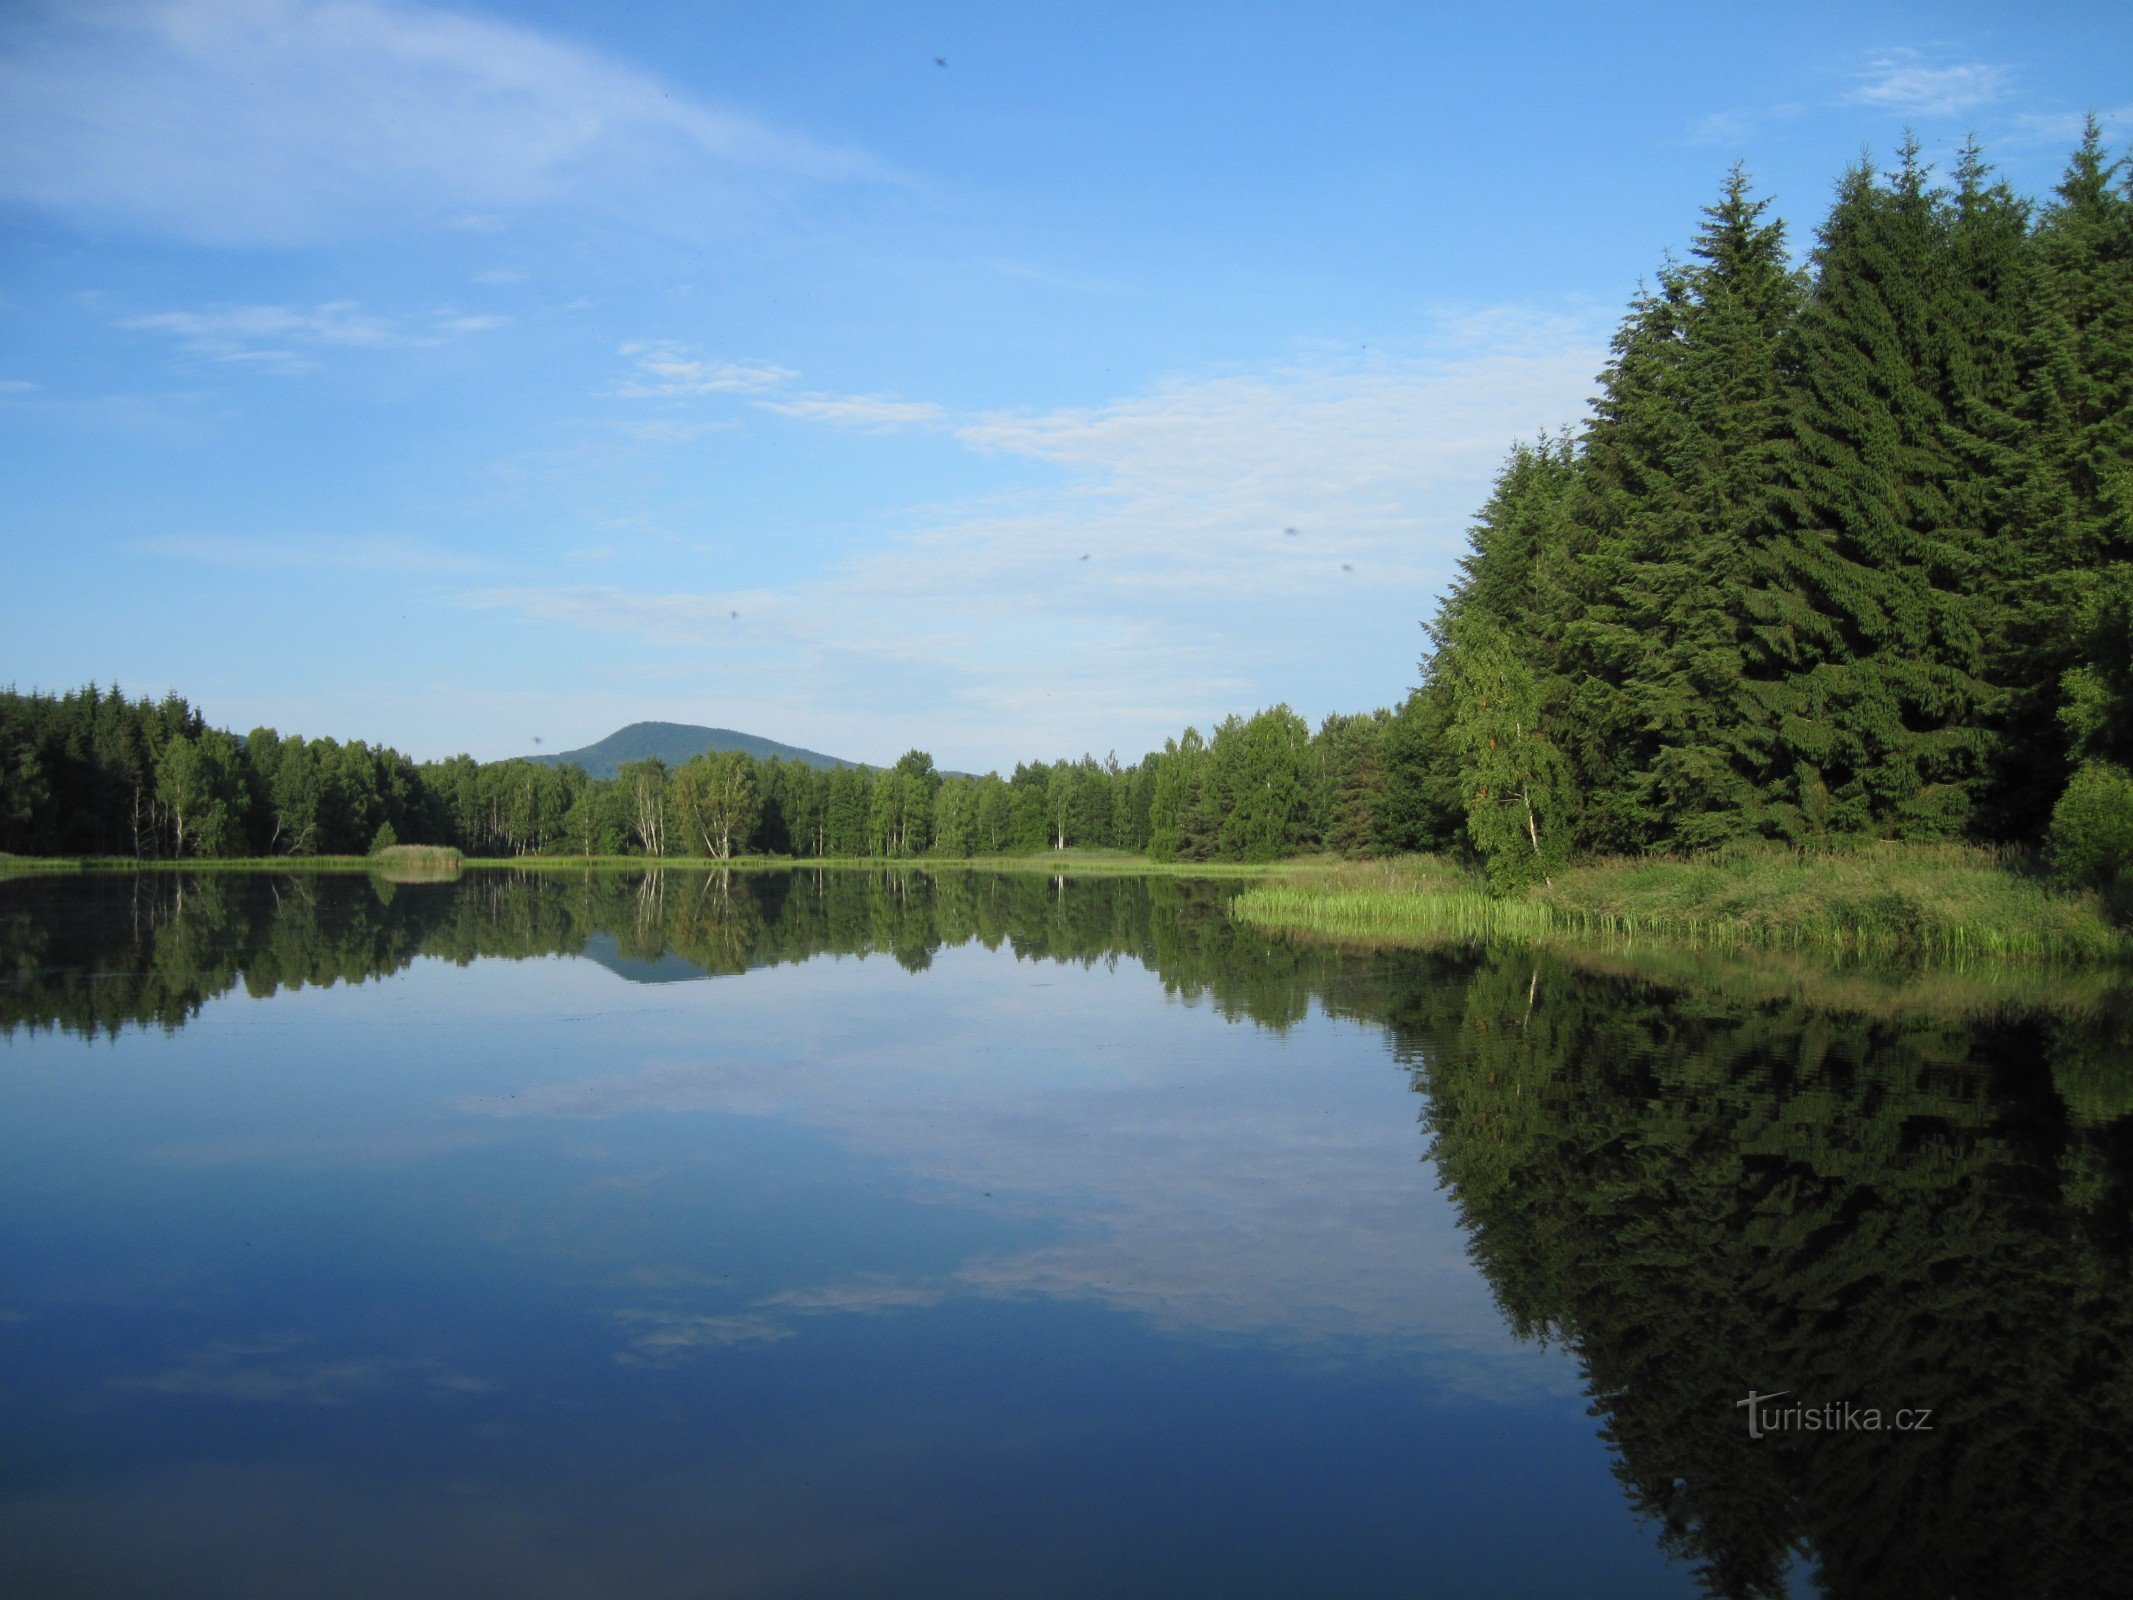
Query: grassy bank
{"x": 1883, "y": 899}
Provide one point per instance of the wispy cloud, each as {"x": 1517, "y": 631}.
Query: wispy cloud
{"x": 276, "y": 121}
{"x": 274, "y": 337}
{"x": 310, "y": 552}
{"x": 871, "y": 411}
{"x": 2065, "y": 128}
{"x": 1905, "y": 81}
{"x": 661, "y": 370}
{"x": 1051, "y": 616}
{"x": 1737, "y": 126}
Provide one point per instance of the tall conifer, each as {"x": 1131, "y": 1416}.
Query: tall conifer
{"x": 2074, "y": 501}
{"x": 1680, "y": 467}
{"x": 1864, "y": 653}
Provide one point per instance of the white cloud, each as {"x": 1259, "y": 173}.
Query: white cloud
{"x": 1148, "y": 579}
{"x": 1902, "y": 81}
{"x": 277, "y": 121}
{"x": 665, "y": 371}
{"x": 860, "y": 411}
{"x": 272, "y": 336}
{"x": 660, "y": 369}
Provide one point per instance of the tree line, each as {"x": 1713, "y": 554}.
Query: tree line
{"x": 92, "y": 773}
{"x": 1841, "y": 550}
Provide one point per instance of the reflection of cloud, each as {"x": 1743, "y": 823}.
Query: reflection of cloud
{"x": 281, "y": 1371}
{"x": 1212, "y": 1180}
{"x": 665, "y": 1338}
{"x": 856, "y": 1298}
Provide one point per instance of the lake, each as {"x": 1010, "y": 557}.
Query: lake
{"x": 896, "y": 1233}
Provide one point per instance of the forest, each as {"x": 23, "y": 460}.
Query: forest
{"x": 1844, "y": 551}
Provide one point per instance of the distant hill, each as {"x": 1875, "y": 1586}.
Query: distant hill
{"x": 676, "y": 742}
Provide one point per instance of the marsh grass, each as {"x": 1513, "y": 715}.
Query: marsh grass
{"x": 24, "y": 866}
{"x": 1880, "y": 900}
{"x": 416, "y": 863}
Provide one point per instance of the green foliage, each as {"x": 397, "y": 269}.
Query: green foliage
{"x": 2091, "y": 837}
{"x": 385, "y": 839}
{"x": 2098, "y": 709}
{"x": 1807, "y": 573}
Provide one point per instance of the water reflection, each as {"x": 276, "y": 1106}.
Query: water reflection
{"x": 1884, "y": 1191}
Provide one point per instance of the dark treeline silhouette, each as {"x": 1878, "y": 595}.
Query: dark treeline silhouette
{"x": 1843, "y": 551}
{"x": 1700, "y": 1187}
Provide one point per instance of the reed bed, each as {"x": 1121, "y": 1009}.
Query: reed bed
{"x": 1940, "y": 901}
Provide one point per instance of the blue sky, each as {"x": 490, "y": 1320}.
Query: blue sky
{"x": 463, "y": 377}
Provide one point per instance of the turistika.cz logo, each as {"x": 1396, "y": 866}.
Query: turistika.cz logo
{"x": 1832, "y": 1416}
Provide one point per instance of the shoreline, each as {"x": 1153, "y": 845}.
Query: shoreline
{"x": 1882, "y": 901}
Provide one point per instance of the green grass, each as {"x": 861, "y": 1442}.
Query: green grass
{"x": 14, "y": 866}
{"x": 1882, "y": 900}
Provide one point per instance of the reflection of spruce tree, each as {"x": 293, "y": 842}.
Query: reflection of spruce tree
{"x": 1700, "y": 1199}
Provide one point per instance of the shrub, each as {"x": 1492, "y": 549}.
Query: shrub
{"x": 385, "y": 840}
{"x": 2091, "y": 837}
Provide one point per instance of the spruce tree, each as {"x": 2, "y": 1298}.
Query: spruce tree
{"x": 1863, "y": 650}
{"x": 1679, "y": 468}
{"x": 1517, "y": 589}
{"x": 2074, "y": 500}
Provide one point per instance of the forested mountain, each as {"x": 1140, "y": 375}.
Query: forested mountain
{"x": 676, "y": 742}
{"x": 1843, "y": 552}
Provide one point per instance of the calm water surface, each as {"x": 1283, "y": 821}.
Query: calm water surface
{"x": 864, "y": 1234}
